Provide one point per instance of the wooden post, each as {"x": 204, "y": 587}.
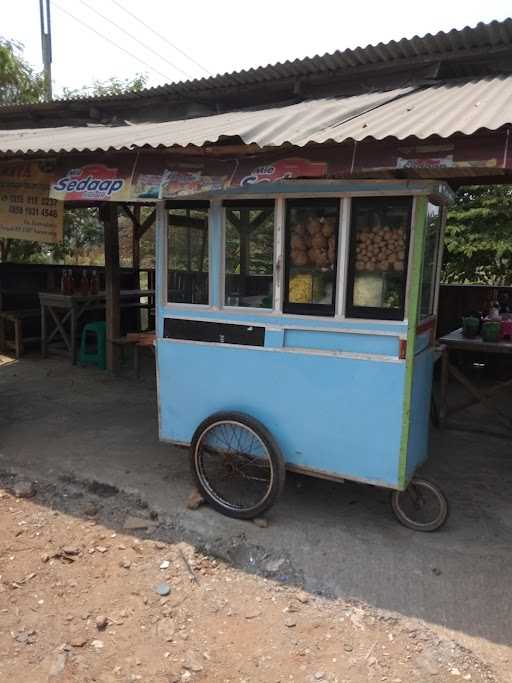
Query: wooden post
{"x": 112, "y": 284}
{"x": 136, "y": 258}
{"x": 136, "y": 240}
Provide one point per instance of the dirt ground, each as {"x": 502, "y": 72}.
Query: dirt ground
{"x": 81, "y": 572}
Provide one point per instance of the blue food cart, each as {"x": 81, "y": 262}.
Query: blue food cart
{"x": 295, "y": 331}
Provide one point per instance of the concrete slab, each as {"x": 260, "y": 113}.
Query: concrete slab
{"x": 59, "y": 422}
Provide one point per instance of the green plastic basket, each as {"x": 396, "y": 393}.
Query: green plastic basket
{"x": 491, "y": 331}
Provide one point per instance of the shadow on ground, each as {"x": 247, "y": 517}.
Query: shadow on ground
{"x": 67, "y": 426}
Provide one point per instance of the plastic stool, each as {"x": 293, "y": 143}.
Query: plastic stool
{"x": 98, "y": 356}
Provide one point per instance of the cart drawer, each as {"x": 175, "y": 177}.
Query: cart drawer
{"x": 213, "y": 332}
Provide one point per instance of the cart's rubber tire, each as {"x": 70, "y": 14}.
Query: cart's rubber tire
{"x": 408, "y": 521}
{"x": 274, "y": 452}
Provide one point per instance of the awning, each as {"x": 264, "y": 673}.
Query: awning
{"x": 442, "y": 109}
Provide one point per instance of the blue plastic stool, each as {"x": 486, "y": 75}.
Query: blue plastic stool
{"x": 97, "y": 357}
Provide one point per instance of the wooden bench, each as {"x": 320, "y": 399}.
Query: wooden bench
{"x": 16, "y": 318}
{"x": 137, "y": 340}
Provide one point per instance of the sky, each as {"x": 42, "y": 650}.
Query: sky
{"x": 198, "y": 38}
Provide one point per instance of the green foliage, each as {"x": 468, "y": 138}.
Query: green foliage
{"x": 112, "y": 86}
{"x": 478, "y": 239}
{"x": 19, "y": 83}
{"x": 83, "y": 233}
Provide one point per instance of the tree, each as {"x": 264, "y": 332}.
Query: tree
{"x": 112, "y": 86}
{"x": 19, "y": 82}
{"x": 478, "y": 238}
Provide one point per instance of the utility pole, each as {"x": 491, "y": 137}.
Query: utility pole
{"x": 46, "y": 45}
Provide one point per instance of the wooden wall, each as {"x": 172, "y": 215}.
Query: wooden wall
{"x": 21, "y": 282}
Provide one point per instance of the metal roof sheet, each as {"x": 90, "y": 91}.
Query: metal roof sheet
{"x": 493, "y": 36}
{"x": 441, "y": 109}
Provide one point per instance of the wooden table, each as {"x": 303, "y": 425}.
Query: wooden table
{"x": 455, "y": 341}
{"x": 65, "y": 310}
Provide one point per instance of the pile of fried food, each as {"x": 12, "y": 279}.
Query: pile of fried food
{"x": 380, "y": 249}
{"x": 313, "y": 243}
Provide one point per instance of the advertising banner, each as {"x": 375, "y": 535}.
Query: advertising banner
{"x": 93, "y": 182}
{"x": 147, "y": 176}
{"x": 26, "y": 210}
{"x": 484, "y": 151}
{"x": 216, "y": 175}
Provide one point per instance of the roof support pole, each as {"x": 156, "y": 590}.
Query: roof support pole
{"x": 136, "y": 257}
{"x": 136, "y": 239}
{"x": 109, "y": 217}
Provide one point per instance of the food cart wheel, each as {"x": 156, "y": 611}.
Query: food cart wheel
{"x": 237, "y": 464}
{"x": 422, "y": 506}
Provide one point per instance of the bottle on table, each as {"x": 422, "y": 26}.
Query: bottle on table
{"x": 84, "y": 283}
{"x": 68, "y": 281}
{"x": 95, "y": 283}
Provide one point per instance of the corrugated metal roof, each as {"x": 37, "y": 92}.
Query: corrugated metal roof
{"x": 441, "y": 109}
{"x": 495, "y": 34}
{"x": 491, "y": 37}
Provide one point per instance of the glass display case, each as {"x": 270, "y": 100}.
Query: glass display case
{"x": 379, "y": 245}
{"x": 311, "y": 246}
{"x": 249, "y": 254}
{"x": 430, "y": 260}
{"x": 187, "y": 256}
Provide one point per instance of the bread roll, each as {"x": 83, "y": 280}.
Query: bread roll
{"x": 319, "y": 241}
{"x": 298, "y": 242}
{"x": 314, "y": 226}
{"x": 299, "y": 257}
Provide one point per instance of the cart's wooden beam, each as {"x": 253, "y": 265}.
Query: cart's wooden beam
{"x": 131, "y": 214}
{"x": 253, "y": 225}
{"x": 146, "y": 224}
{"x": 259, "y": 219}
{"x": 134, "y": 216}
{"x": 135, "y": 237}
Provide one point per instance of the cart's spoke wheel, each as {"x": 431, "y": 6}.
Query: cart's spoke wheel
{"x": 422, "y": 506}
{"x": 237, "y": 464}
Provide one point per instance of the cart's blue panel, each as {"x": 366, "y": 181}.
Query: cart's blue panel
{"x": 417, "y": 451}
{"x": 329, "y": 412}
{"x": 282, "y": 320}
{"x": 333, "y": 341}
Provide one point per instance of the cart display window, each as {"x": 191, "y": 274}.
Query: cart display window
{"x": 187, "y": 256}
{"x": 249, "y": 253}
{"x": 430, "y": 262}
{"x": 379, "y": 246}
{"x": 311, "y": 246}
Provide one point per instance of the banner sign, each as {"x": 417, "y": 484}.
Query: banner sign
{"x": 485, "y": 151}
{"x": 147, "y": 176}
{"x": 216, "y": 176}
{"x": 93, "y": 182}
{"x": 26, "y": 210}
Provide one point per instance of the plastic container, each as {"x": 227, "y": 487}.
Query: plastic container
{"x": 470, "y": 327}
{"x": 506, "y": 329}
{"x": 491, "y": 331}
